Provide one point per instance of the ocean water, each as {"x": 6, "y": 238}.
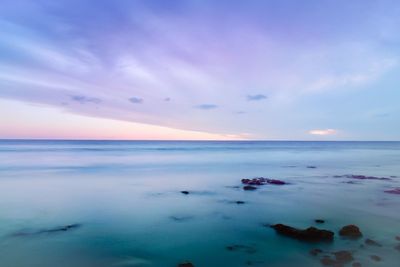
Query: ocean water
{"x": 125, "y": 199}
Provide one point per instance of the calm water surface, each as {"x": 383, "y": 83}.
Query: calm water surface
{"x": 126, "y": 198}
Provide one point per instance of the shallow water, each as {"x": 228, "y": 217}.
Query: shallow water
{"x": 126, "y": 198}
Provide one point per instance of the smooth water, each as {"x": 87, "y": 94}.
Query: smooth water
{"x": 126, "y": 197}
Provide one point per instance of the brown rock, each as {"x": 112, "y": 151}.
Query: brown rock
{"x": 343, "y": 256}
{"x": 310, "y": 234}
{"x": 350, "y": 231}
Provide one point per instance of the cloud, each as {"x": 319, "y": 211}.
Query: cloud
{"x": 323, "y": 132}
{"x": 256, "y": 97}
{"x": 206, "y": 106}
{"x": 136, "y": 100}
{"x": 85, "y": 99}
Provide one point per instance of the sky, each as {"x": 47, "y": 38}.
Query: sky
{"x": 258, "y": 70}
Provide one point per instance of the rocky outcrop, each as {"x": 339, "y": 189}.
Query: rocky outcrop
{"x": 350, "y": 231}
{"x": 311, "y": 234}
{"x": 362, "y": 177}
{"x": 262, "y": 181}
{"x": 393, "y": 191}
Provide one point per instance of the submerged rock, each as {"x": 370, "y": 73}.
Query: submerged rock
{"x": 356, "y": 264}
{"x": 311, "y": 167}
{"x": 350, "y": 231}
{"x": 239, "y": 202}
{"x": 397, "y": 238}
{"x": 185, "y": 192}
{"x": 362, "y": 177}
{"x": 343, "y": 256}
{"x": 319, "y": 221}
{"x": 310, "y": 234}
{"x": 397, "y": 247}
{"x": 186, "y": 264}
{"x": 375, "y": 258}
{"x": 247, "y": 249}
{"x": 48, "y": 231}
{"x": 249, "y": 187}
{"x": 393, "y": 191}
{"x": 315, "y": 251}
{"x": 371, "y": 242}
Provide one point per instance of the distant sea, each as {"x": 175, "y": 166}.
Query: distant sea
{"x": 119, "y": 203}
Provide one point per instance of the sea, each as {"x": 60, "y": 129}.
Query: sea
{"x": 120, "y": 203}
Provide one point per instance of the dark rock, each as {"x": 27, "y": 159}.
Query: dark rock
{"x": 181, "y": 218}
{"x": 310, "y": 234}
{"x": 356, "y": 264}
{"x": 240, "y": 202}
{"x": 343, "y": 256}
{"x": 350, "y": 231}
{"x": 48, "y": 231}
{"x": 311, "y": 167}
{"x": 397, "y": 238}
{"x": 319, "y": 221}
{"x": 362, "y": 177}
{"x": 393, "y": 191}
{"x": 315, "y": 251}
{"x": 185, "y": 192}
{"x": 247, "y": 249}
{"x": 397, "y": 247}
{"x": 371, "y": 242}
{"x": 262, "y": 181}
{"x": 186, "y": 264}
{"x": 375, "y": 258}
{"x": 249, "y": 187}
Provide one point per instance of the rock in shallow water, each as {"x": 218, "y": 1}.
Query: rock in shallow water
{"x": 393, "y": 191}
{"x": 362, "y": 177}
{"x": 311, "y": 234}
{"x": 185, "y": 192}
{"x": 262, "y": 181}
{"x": 371, "y": 242}
{"x": 356, "y": 264}
{"x": 186, "y": 264}
{"x": 315, "y": 251}
{"x": 375, "y": 258}
{"x": 350, "y": 231}
{"x": 249, "y": 187}
{"x": 319, "y": 221}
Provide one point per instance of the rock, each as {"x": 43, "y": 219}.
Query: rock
{"x": 375, "y": 258}
{"x": 327, "y": 261}
{"x": 315, "y": 251}
{"x": 246, "y": 249}
{"x": 240, "y": 202}
{"x": 185, "y": 192}
{"x": 393, "y": 191}
{"x": 362, "y": 177}
{"x": 262, "y": 181}
{"x": 249, "y": 187}
{"x": 311, "y": 167}
{"x": 356, "y": 264}
{"x": 350, "y": 231}
{"x": 371, "y": 242}
{"x": 310, "y": 234}
{"x": 343, "y": 256}
{"x": 319, "y": 221}
{"x": 397, "y": 238}
{"x": 186, "y": 264}
{"x": 48, "y": 231}
{"x": 397, "y": 247}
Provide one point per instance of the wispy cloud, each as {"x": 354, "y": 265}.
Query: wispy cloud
{"x": 323, "y": 132}
{"x": 206, "y": 106}
{"x": 256, "y": 97}
{"x": 136, "y": 100}
{"x": 85, "y": 99}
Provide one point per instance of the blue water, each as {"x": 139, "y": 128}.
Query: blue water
{"x": 125, "y": 195}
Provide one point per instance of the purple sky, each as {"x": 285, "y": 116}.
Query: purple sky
{"x": 299, "y": 70}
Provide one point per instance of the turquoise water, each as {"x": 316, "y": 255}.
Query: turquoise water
{"x": 126, "y": 198}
